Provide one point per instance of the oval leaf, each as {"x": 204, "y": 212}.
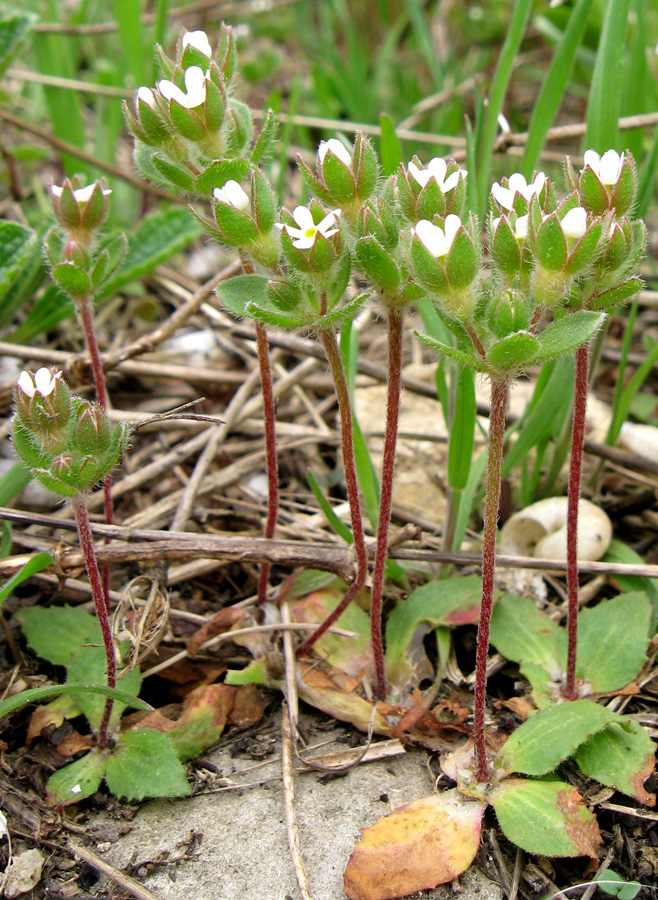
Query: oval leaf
{"x": 237, "y": 293}
{"x": 80, "y": 779}
{"x": 145, "y": 764}
{"x": 514, "y": 351}
{"x": 622, "y": 759}
{"x": 567, "y": 333}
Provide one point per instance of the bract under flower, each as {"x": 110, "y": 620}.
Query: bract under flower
{"x": 195, "y": 85}
{"x": 43, "y": 383}
{"x": 517, "y": 185}
{"x": 436, "y": 169}
{"x": 337, "y": 148}
{"x": 607, "y": 168}
{"x": 304, "y": 236}
{"x": 81, "y": 194}
{"x": 232, "y": 194}
{"x": 198, "y": 40}
{"x": 437, "y": 240}
{"x": 574, "y": 224}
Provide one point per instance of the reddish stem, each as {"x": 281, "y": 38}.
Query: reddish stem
{"x": 328, "y": 339}
{"x": 87, "y": 544}
{"x": 87, "y": 318}
{"x": 395, "y": 318}
{"x": 497, "y": 419}
{"x": 272, "y": 464}
{"x": 570, "y": 691}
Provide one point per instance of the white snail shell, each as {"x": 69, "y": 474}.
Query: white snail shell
{"x": 540, "y": 530}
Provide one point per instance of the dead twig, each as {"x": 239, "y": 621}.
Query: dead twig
{"x": 289, "y": 803}
{"x": 124, "y": 881}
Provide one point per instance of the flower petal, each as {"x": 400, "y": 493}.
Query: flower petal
{"x": 521, "y": 227}
{"x": 302, "y": 215}
{"x": 517, "y": 184}
{"x": 44, "y": 381}
{"x": 198, "y": 40}
{"x": 304, "y": 243}
{"x": 171, "y": 91}
{"x": 195, "y": 84}
{"x": 452, "y": 226}
{"x": 56, "y": 190}
{"x": 420, "y": 176}
{"x": 538, "y": 184}
{"x": 232, "y": 194}
{"x": 337, "y": 148}
{"x": 432, "y": 237}
{"x": 610, "y": 170}
{"x": 502, "y": 196}
{"x": 437, "y": 168}
{"x": 328, "y": 221}
{"x": 574, "y": 224}
{"x": 26, "y": 384}
{"x": 450, "y": 182}
{"x": 593, "y": 160}
{"x": 147, "y": 95}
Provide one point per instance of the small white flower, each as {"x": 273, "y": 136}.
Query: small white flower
{"x": 147, "y": 95}
{"x": 81, "y": 194}
{"x": 198, "y": 40}
{"x": 574, "y": 224}
{"x": 607, "y": 167}
{"x": 436, "y": 169}
{"x": 195, "y": 85}
{"x": 517, "y": 185}
{"x": 304, "y": 236}
{"x": 44, "y": 382}
{"x": 435, "y": 239}
{"x": 337, "y": 148}
{"x": 232, "y": 194}
{"x": 520, "y": 227}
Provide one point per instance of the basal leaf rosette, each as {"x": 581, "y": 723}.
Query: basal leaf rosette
{"x": 439, "y": 189}
{"x": 607, "y": 183}
{"x": 68, "y": 443}
{"x": 445, "y": 260}
{"x": 344, "y": 177}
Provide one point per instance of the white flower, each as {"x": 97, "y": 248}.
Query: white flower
{"x": 198, "y": 40}
{"x": 436, "y": 169}
{"x": 81, "y": 194}
{"x": 195, "y": 85}
{"x": 44, "y": 382}
{"x": 435, "y": 239}
{"x": 517, "y": 185}
{"x": 607, "y": 167}
{"x": 147, "y": 95}
{"x": 337, "y": 148}
{"x": 304, "y": 236}
{"x": 520, "y": 227}
{"x": 574, "y": 224}
{"x": 232, "y": 194}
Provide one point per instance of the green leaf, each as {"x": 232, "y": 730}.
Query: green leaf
{"x": 72, "y": 280}
{"x": 237, "y": 293}
{"x": 90, "y": 665}
{"x": 613, "y": 638}
{"x": 462, "y": 356}
{"x": 16, "y": 245}
{"x": 145, "y": 764}
{"x": 448, "y": 602}
{"x": 13, "y": 482}
{"x": 462, "y": 430}
{"x": 377, "y": 265}
{"x": 391, "y": 150}
{"x": 616, "y": 295}
{"x": 567, "y": 333}
{"x": 545, "y": 817}
{"x": 607, "y": 80}
{"x": 613, "y": 884}
{"x": 34, "y": 695}
{"x": 57, "y": 633}
{"x": 523, "y": 634}
{"x": 514, "y": 351}
{"x": 552, "y": 735}
{"x": 78, "y": 780}
{"x": 36, "y": 564}
{"x": 12, "y": 31}
{"x": 618, "y": 552}
{"x": 157, "y": 238}
{"x": 622, "y": 758}
{"x": 338, "y": 526}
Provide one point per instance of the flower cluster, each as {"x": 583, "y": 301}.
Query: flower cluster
{"x": 68, "y": 443}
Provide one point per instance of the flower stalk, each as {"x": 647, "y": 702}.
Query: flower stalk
{"x": 271, "y": 459}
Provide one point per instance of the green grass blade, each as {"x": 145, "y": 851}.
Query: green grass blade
{"x": 647, "y": 184}
{"x": 129, "y": 18}
{"x": 607, "y": 80}
{"x": 13, "y": 482}
{"x": 467, "y": 499}
{"x": 553, "y": 88}
{"x": 391, "y": 151}
{"x": 497, "y": 92}
{"x": 339, "y": 527}
{"x": 629, "y": 392}
{"x": 34, "y": 565}
{"x": 611, "y": 437}
{"x": 34, "y": 695}
{"x": 462, "y": 430}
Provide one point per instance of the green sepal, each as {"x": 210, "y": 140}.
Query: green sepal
{"x": 52, "y": 245}
{"x": 593, "y": 195}
{"x": 462, "y": 262}
{"x": 585, "y": 251}
{"x": 406, "y": 196}
{"x": 186, "y": 122}
{"x": 366, "y": 167}
{"x": 567, "y": 333}
{"x": 321, "y": 255}
{"x": 342, "y": 275}
{"x": 513, "y": 352}
{"x": 431, "y": 201}
{"x": 616, "y": 295}
{"x": 240, "y": 129}
{"x": 505, "y": 250}
{"x": 193, "y": 57}
{"x": 429, "y": 272}
{"x": 462, "y": 356}
{"x": 237, "y": 293}
{"x": 72, "y": 280}
{"x": 312, "y": 183}
{"x": 338, "y": 179}
{"x": 624, "y": 193}
{"x": 265, "y": 141}
{"x": 214, "y": 106}
{"x": 173, "y": 174}
{"x": 263, "y": 201}
{"x": 551, "y": 244}
{"x": 376, "y": 264}
{"x": 109, "y": 260}
{"x": 219, "y": 172}
{"x": 237, "y": 227}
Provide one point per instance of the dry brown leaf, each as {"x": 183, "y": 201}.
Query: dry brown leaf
{"x": 415, "y": 848}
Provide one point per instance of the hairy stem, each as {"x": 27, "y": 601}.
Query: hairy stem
{"x": 570, "y": 691}
{"x": 499, "y": 396}
{"x": 395, "y": 318}
{"x": 87, "y": 545}
{"x": 86, "y": 312}
{"x": 272, "y": 464}
{"x": 328, "y": 339}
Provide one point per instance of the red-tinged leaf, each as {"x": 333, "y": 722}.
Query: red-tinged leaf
{"x": 415, "y": 848}
{"x": 622, "y": 759}
{"x": 546, "y": 817}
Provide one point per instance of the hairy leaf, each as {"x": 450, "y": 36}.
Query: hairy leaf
{"x": 145, "y": 764}
{"x": 622, "y": 758}
{"x": 78, "y": 780}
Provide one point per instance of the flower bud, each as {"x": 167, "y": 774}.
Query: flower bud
{"x": 285, "y": 294}
{"x": 439, "y": 189}
{"x": 146, "y": 122}
{"x": 43, "y": 404}
{"x": 517, "y": 193}
{"x": 80, "y": 210}
{"x": 607, "y": 183}
{"x": 93, "y": 431}
{"x": 446, "y": 261}
{"x": 378, "y": 266}
{"x": 235, "y": 226}
{"x": 507, "y": 314}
